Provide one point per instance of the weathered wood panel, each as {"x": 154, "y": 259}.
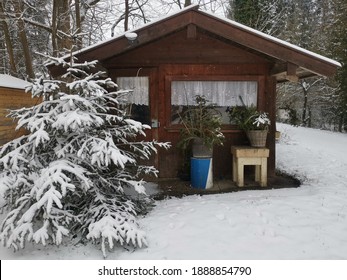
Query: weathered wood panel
{"x": 192, "y": 54}
{"x": 12, "y": 99}
{"x": 179, "y": 48}
{"x": 171, "y": 161}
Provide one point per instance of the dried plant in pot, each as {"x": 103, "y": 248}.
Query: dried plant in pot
{"x": 255, "y": 123}
{"x": 201, "y": 128}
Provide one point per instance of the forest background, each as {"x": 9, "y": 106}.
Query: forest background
{"x": 30, "y": 28}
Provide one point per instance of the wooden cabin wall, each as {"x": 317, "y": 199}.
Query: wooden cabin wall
{"x": 222, "y": 159}
{"x": 170, "y": 162}
{"x": 194, "y": 45}
{"x": 200, "y": 56}
{"x": 12, "y": 99}
{"x": 179, "y": 48}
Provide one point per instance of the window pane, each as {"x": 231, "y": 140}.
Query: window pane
{"x": 137, "y": 101}
{"x": 221, "y": 93}
{"x": 138, "y": 86}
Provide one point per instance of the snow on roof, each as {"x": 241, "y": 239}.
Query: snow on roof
{"x": 191, "y": 7}
{"x": 12, "y": 82}
{"x": 274, "y": 39}
{"x": 221, "y": 18}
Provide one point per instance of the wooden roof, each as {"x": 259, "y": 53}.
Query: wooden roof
{"x": 290, "y": 62}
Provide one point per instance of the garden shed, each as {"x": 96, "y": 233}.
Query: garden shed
{"x": 169, "y": 61}
{"x": 12, "y": 96}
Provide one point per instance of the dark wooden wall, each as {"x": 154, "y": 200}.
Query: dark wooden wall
{"x": 179, "y": 48}
{"x": 195, "y": 55}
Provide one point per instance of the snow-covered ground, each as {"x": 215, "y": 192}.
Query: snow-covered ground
{"x": 309, "y": 222}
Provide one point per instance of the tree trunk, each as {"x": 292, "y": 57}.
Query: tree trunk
{"x": 18, "y": 5}
{"x": 78, "y": 24}
{"x": 126, "y": 16}
{"x": 304, "y": 109}
{"x": 341, "y": 122}
{"x": 8, "y": 42}
{"x": 54, "y": 28}
{"x": 187, "y": 3}
{"x": 309, "y": 123}
{"x": 61, "y": 41}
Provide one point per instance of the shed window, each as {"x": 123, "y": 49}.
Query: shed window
{"x": 136, "y": 101}
{"x": 221, "y": 93}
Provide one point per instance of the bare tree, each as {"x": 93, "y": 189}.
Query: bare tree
{"x": 187, "y": 3}
{"x": 8, "y": 42}
{"x": 133, "y": 12}
{"x": 61, "y": 26}
{"x": 19, "y": 10}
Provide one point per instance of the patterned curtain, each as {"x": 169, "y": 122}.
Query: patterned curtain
{"x": 222, "y": 93}
{"x": 139, "y": 89}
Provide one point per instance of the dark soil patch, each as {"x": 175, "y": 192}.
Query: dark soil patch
{"x": 179, "y": 188}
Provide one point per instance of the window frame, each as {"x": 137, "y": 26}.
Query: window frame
{"x": 130, "y": 105}
{"x": 169, "y": 79}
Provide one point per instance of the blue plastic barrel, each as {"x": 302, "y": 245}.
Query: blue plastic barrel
{"x": 201, "y": 173}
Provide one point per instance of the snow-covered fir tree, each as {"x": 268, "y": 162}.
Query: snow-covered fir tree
{"x": 68, "y": 176}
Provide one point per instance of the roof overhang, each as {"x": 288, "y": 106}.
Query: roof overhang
{"x": 290, "y": 61}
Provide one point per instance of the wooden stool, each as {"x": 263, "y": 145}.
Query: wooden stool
{"x": 244, "y": 155}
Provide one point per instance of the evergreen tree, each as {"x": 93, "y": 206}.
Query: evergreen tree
{"x": 245, "y": 11}
{"x": 310, "y": 25}
{"x": 268, "y": 16}
{"x": 339, "y": 50}
{"x": 71, "y": 173}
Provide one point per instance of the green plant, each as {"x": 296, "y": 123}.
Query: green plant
{"x": 67, "y": 178}
{"x": 201, "y": 121}
{"x": 248, "y": 118}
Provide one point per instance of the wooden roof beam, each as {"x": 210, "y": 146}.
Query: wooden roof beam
{"x": 284, "y": 72}
{"x": 291, "y": 72}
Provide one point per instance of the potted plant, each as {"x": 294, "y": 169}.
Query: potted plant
{"x": 201, "y": 130}
{"x": 255, "y": 123}
{"x": 201, "y": 127}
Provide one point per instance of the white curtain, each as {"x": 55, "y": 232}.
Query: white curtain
{"x": 139, "y": 87}
{"x": 222, "y": 93}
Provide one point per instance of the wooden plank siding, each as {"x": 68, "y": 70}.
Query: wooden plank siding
{"x": 195, "y": 45}
{"x": 12, "y": 99}
{"x": 222, "y": 162}
{"x": 183, "y": 56}
{"x": 178, "y": 48}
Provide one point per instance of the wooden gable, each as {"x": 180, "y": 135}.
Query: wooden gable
{"x": 289, "y": 62}
{"x": 179, "y": 48}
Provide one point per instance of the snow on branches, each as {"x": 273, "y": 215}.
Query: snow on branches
{"x": 68, "y": 175}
